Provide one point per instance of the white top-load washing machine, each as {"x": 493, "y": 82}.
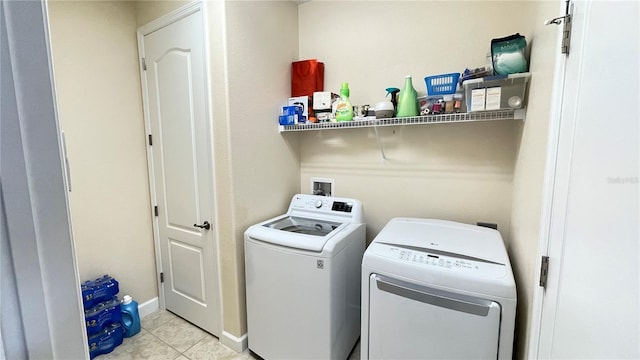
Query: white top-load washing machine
{"x": 434, "y": 289}
{"x": 303, "y": 280}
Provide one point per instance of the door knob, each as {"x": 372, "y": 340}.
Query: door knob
{"x": 204, "y": 225}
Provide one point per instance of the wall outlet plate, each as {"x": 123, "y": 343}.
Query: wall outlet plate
{"x": 323, "y": 186}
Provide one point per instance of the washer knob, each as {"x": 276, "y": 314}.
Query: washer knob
{"x": 318, "y": 204}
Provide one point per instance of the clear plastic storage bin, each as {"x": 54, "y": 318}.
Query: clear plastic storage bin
{"x": 500, "y": 92}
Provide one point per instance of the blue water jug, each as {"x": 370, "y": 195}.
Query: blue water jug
{"x": 106, "y": 340}
{"x": 130, "y": 316}
{"x": 101, "y": 315}
{"x": 98, "y": 290}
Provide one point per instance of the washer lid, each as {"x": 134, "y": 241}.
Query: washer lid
{"x": 444, "y": 254}
{"x": 300, "y": 225}
{"x": 445, "y": 237}
{"x": 296, "y": 232}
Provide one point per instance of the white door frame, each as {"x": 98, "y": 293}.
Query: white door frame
{"x": 34, "y": 193}
{"x": 146, "y": 29}
{"x": 552, "y": 166}
{"x": 555, "y": 206}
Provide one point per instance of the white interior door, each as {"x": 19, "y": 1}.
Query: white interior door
{"x": 176, "y": 104}
{"x": 590, "y": 308}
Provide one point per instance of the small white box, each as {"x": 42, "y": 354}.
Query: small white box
{"x": 493, "y": 98}
{"x": 301, "y": 101}
{"x": 478, "y": 99}
{"x": 322, "y": 100}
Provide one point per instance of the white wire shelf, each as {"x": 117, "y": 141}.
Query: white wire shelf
{"x": 508, "y": 114}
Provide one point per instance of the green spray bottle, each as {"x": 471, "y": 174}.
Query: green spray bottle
{"x": 344, "y": 110}
{"x": 408, "y": 100}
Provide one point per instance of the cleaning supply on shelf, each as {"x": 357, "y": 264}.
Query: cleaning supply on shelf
{"x": 130, "y": 316}
{"x": 383, "y": 109}
{"x": 457, "y": 102}
{"x": 105, "y": 341}
{"x": 448, "y": 103}
{"x": 394, "y": 96}
{"x": 408, "y": 100}
{"x": 344, "y": 110}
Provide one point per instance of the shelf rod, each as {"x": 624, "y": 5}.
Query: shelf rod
{"x": 505, "y": 114}
{"x": 375, "y": 128}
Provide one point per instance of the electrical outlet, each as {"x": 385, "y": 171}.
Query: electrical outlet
{"x": 322, "y": 186}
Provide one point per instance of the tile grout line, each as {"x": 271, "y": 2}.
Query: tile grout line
{"x": 169, "y": 345}
{"x": 194, "y": 345}
{"x": 189, "y": 348}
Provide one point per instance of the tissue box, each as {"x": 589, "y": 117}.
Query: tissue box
{"x": 292, "y": 115}
{"x": 322, "y": 100}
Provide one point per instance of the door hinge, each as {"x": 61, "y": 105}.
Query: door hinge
{"x": 150, "y": 140}
{"x": 544, "y": 271}
{"x": 566, "y": 34}
{"x": 144, "y": 64}
{"x": 155, "y": 210}
{"x": 566, "y": 27}
{"x": 161, "y": 277}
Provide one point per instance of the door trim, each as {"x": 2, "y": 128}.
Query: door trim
{"x": 554, "y": 195}
{"x": 157, "y": 24}
{"x": 35, "y": 219}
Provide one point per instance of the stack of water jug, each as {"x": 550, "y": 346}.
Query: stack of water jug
{"x": 108, "y": 319}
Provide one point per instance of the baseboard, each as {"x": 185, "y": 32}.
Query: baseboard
{"x": 148, "y": 307}
{"x": 237, "y": 344}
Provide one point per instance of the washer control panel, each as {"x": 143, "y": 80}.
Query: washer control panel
{"x": 326, "y": 207}
{"x": 322, "y": 203}
{"x": 431, "y": 260}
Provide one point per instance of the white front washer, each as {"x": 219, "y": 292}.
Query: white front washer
{"x": 303, "y": 280}
{"x": 436, "y": 289}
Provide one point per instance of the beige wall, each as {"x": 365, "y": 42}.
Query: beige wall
{"x": 149, "y": 10}
{"x": 530, "y": 166}
{"x": 460, "y": 172}
{"x": 373, "y": 45}
{"x": 99, "y": 104}
{"x": 262, "y": 40}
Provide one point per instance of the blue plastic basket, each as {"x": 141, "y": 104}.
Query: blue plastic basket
{"x": 444, "y": 84}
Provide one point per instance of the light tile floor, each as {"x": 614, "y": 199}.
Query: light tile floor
{"x": 165, "y": 336}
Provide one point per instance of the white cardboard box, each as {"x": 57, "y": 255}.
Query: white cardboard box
{"x": 301, "y": 101}
{"x": 478, "y": 99}
{"x": 493, "y": 98}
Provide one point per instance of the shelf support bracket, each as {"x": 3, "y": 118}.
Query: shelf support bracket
{"x": 375, "y": 128}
